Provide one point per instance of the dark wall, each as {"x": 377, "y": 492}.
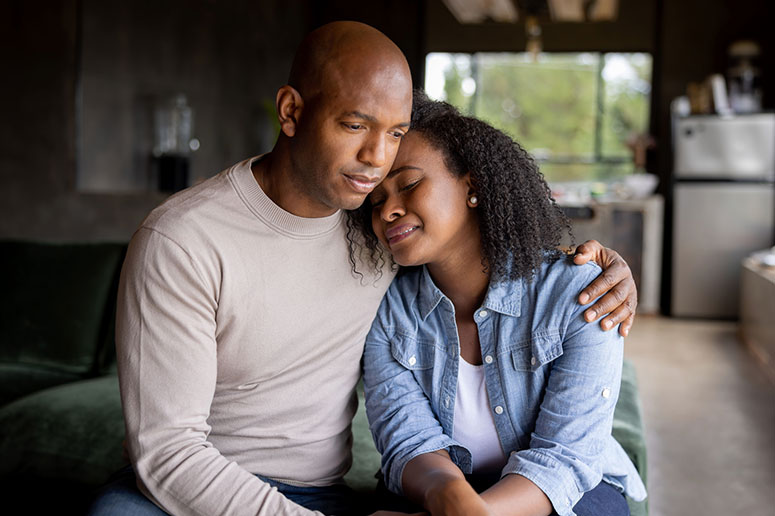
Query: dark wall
{"x": 82, "y": 70}
{"x": 76, "y": 116}
{"x": 403, "y": 21}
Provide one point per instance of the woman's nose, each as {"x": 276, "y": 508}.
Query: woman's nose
{"x": 392, "y": 210}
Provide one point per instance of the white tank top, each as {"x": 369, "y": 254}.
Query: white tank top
{"x": 474, "y": 426}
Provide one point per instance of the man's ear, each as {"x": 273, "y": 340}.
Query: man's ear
{"x": 289, "y": 106}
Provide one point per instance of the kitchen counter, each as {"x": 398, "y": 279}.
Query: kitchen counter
{"x": 757, "y": 312}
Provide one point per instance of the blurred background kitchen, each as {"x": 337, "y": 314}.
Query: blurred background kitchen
{"x": 653, "y": 121}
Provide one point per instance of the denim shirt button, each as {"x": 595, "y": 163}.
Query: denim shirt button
{"x": 499, "y": 410}
{"x": 483, "y": 314}
{"x": 488, "y": 359}
{"x": 412, "y": 360}
{"x": 532, "y": 360}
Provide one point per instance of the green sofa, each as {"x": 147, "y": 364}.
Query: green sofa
{"x": 61, "y": 427}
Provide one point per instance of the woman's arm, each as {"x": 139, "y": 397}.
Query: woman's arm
{"x": 515, "y": 495}
{"x": 401, "y": 416}
{"x": 435, "y": 482}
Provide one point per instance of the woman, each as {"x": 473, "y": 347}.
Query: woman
{"x": 486, "y": 391}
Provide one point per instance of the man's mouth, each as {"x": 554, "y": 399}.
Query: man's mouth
{"x": 361, "y": 184}
{"x": 399, "y": 233}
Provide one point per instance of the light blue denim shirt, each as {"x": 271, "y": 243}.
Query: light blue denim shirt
{"x": 552, "y": 381}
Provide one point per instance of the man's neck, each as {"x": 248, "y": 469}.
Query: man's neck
{"x": 273, "y": 173}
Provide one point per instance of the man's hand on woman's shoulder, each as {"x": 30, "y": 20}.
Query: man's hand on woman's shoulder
{"x": 616, "y": 282}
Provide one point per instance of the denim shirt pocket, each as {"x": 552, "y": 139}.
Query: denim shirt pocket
{"x": 536, "y": 353}
{"x": 413, "y": 353}
{"x": 416, "y": 355}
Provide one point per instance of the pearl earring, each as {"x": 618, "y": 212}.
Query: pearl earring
{"x": 473, "y": 200}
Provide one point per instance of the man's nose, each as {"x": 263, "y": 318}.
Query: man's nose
{"x": 374, "y": 152}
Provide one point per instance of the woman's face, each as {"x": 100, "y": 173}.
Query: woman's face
{"x": 421, "y": 211}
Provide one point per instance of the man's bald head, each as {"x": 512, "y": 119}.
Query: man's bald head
{"x": 344, "y": 51}
{"x": 342, "y": 116}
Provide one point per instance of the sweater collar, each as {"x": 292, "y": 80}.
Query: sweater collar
{"x": 273, "y": 215}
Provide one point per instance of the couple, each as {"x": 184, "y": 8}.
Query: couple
{"x": 245, "y": 302}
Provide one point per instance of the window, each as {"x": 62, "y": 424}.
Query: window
{"x": 574, "y": 112}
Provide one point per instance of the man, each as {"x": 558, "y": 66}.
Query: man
{"x": 241, "y": 324}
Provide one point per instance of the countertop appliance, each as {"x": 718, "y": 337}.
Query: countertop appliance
{"x": 723, "y": 208}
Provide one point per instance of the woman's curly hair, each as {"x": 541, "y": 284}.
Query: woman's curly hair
{"x": 520, "y": 223}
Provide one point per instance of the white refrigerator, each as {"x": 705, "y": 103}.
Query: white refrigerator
{"x": 723, "y": 208}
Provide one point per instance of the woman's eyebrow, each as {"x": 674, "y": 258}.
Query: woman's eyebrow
{"x": 401, "y": 169}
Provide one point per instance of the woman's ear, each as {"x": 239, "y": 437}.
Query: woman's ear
{"x": 289, "y": 106}
{"x": 472, "y": 199}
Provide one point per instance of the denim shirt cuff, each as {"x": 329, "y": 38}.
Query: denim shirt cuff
{"x": 550, "y": 475}
{"x": 459, "y": 455}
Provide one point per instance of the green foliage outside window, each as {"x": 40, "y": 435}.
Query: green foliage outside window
{"x": 574, "y": 112}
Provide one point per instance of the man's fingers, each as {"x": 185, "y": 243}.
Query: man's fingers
{"x": 621, "y": 297}
{"x": 586, "y": 251}
{"x": 603, "y": 283}
{"x": 616, "y": 317}
{"x": 624, "y": 327}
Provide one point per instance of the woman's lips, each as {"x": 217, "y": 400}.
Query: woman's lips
{"x": 362, "y": 184}
{"x": 399, "y": 233}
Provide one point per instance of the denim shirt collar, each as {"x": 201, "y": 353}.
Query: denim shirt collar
{"x": 503, "y": 296}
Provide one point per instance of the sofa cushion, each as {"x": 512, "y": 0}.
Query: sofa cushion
{"x": 18, "y": 380}
{"x": 60, "y": 311}
{"x": 628, "y": 430}
{"x": 366, "y": 458}
{"x": 72, "y": 432}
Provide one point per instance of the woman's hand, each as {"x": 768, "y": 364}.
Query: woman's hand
{"x": 616, "y": 282}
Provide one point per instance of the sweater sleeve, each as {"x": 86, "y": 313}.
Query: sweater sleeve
{"x": 167, "y": 365}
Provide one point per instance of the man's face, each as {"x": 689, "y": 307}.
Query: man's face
{"x": 348, "y": 136}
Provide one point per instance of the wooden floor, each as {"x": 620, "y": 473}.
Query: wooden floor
{"x": 709, "y": 411}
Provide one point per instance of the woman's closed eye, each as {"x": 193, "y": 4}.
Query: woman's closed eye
{"x": 376, "y": 202}
{"x": 409, "y": 185}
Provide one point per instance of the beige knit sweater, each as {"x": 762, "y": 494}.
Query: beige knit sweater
{"x": 239, "y": 336}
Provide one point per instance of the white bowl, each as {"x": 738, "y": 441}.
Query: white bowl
{"x": 641, "y": 185}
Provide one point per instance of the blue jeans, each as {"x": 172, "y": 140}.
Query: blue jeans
{"x": 121, "y": 497}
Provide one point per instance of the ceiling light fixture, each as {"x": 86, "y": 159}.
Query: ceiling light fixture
{"x": 478, "y": 11}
